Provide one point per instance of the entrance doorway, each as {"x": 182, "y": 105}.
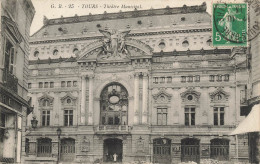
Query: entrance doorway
{"x": 162, "y": 150}
{"x": 190, "y": 150}
{"x": 67, "y": 150}
{"x": 113, "y": 147}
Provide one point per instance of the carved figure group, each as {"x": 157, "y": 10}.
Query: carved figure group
{"x": 114, "y": 43}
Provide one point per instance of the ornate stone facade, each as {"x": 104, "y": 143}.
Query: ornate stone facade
{"x": 181, "y": 92}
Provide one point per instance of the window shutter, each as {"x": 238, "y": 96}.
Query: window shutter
{"x": 12, "y": 62}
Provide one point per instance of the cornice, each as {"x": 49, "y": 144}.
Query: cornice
{"x": 192, "y": 52}
{"x": 160, "y": 54}
{"x": 130, "y": 35}
{"x": 129, "y": 14}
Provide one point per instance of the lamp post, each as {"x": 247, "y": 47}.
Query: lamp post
{"x": 58, "y": 133}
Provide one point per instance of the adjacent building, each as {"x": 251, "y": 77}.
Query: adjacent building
{"x": 16, "y": 19}
{"x": 253, "y": 93}
{"x": 143, "y": 85}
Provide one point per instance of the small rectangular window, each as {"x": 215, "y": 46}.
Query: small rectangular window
{"x": 211, "y": 78}
{"x": 190, "y": 78}
{"x": 226, "y": 77}
{"x": 68, "y": 83}
{"x": 3, "y": 120}
{"x": 183, "y": 79}
{"x": 40, "y": 85}
{"x": 29, "y": 85}
{"x": 169, "y": 79}
{"x": 219, "y": 77}
{"x": 75, "y": 83}
{"x": 162, "y": 80}
{"x": 63, "y": 84}
{"x": 155, "y": 80}
{"x": 46, "y": 85}
{"x": 51, "y": 84}
{"x": 197, "y": 78}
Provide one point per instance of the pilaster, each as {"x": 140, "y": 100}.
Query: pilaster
{"x": 145, "y": 98}
{"x": 91, "y": 100}
{"x": 136, "y": 98}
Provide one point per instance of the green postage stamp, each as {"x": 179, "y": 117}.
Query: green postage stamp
{"x": 230, "y": 24}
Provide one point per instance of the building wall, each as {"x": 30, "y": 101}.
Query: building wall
{"x": 16, "y": 18}
{"x": 170, "y": 57}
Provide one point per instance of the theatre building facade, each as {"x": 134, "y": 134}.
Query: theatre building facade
{"x": 143, "y": 85}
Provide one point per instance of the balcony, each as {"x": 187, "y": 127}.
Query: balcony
{"x": 111, "y": 129}
{"x": 10, "y": 81}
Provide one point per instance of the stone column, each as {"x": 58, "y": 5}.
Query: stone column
{"x": 136, "y": 98}
{"x": 145, "y": 98}
{"x": 83, "y": 101}
{"x": 91, "y": 100}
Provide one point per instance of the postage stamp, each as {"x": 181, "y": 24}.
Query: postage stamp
{"x": 230, "y": 24}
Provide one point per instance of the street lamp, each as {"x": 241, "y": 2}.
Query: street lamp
{"x": 58, "y": 133}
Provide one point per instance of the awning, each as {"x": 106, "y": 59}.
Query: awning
{"x": 251, "y": 123}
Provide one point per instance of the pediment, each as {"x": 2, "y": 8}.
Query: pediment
{"x": 190, "y": 95}
{"x": 13, "y": 29}
{"x": 46, "y": 97}
{"x": 162, "y": 97}
{"x": 219, "y": 95}
{"x": 114, "y": 47}
{"x": 68, "y": 99}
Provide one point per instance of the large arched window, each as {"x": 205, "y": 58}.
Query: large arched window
{"x": 113, "y": 105}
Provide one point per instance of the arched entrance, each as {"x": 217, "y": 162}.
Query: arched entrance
{"x": 113, "y": 146}
{"x": 190, "y": 150}
{"x": 162, "y": 150}
{"x": 114, "y": 105}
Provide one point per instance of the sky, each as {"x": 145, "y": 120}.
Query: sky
{"x": 50, "y": 8}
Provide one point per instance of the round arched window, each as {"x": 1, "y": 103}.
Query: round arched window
{"x": 55, "y": 52}
{"x": 161, "y": 45}
{"x": 209, "y": 42}
{"x": 68, "y": 101}
{"x": 36, "y": 53}
{"x": 45, "y": 103}
{"x": 190, "y": 97}
{"x": 219, "y": 97}
{"x": 185, "y": 43}
{"x": 75, "y": 50}
{"x": 114, "y": 105}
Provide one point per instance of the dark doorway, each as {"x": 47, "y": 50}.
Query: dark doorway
{"x": 219, "y": 149}
{"x": 190, "y": 150}
{"x": 162, "y": 150}
{"x": 113, "y": 146}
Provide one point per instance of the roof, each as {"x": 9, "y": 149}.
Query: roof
{"x": 251, "y": 123}
{"x": 137, "y": 19}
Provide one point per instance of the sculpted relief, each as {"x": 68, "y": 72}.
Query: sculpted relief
{"x": 114, "y": 45}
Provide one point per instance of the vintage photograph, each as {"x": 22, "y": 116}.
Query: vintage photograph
{"x": 130, "y": 82}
